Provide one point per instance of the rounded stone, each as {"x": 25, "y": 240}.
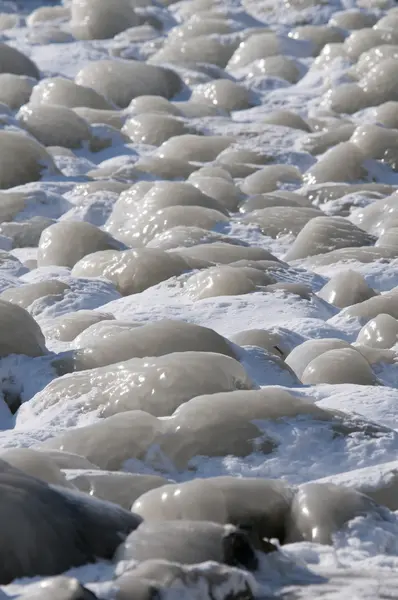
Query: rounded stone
{"x": 22, "y": 160}
{"x": 66, "y": 242}
{"x": 15, "y": 90}
{"x": 341, "y": 365}
{"x": 346, "y": 288}
{"x": 119, "y": 81}
{"x": 379, "y": 332}
{"x": 64, "y": 92}
{"x": 55, "y": 125}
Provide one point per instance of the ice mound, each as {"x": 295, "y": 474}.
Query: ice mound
{"x": 75, "y": 530}
{"x": 22, "y": 160}
{"x": 65, "y": 243}
{"x": 156, "y": 385}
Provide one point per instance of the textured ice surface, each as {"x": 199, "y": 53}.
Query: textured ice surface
{"x": 198, "y": 294}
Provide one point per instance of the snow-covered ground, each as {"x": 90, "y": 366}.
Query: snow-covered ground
{"x": 343, "y": 100}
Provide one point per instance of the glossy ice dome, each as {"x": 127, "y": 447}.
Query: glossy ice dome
{"x": 156, "y": 385}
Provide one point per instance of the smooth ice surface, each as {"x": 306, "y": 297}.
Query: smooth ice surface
{"x": 259, "y": 504}
{"x": 155, "y": 385}
{"x": 318, "y": 510}
{"x": 187, "y": 542}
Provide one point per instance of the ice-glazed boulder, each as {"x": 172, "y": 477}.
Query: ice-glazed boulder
{"x": 98, "y": 20}
{"x": 202, "y": 49}
{"x": 164, "y": 168}
{"x": 389, "y": 237}
{"x": 65, "y": 529}
{"x": 378, "y": 216}
{"x": 269, "y": 178}
{"x": 274, "y": 341}
{"x": 352, "y": 19}
{"x": 346, "y": 288}
{"x": 156, "y": 385}
{"x": 185, "y": 237}
{"x": 320, "y": 510}
{"x": 64, "y": 92}
{"x": 281, "y": 220}
{"x": 160, "y": 577}
{"x": 153, "y": 104}
{"x": 369, "y": 309}
{"x": 223, "y": 93}
{"x": 235, "y": 423}
{"x": 67, "y": 327}
{"x": 103, "y": 330}
{"x": 225, "y": 280}
{"x": 225, "y": 253}
{"x": 362, "y": 40}
{"x": 318, "y": 143}
{"x": 260, "y": 505}
{"x": 49, "y": 34}
{"x": 155, "y": 339}
{"x": 55, "y": 125}
{"x": 111, "y": 442}
{"x": 120, "y": 488}
{"x": 344, "y": 162}
{"x": 47, "y": 14}
{"x": 373, "y": 57}
{"x": 375, "y": 356}
{"x": 66, "y": 242}
{"x": 380, "y": 82}
{"x": 152, "y": 128}
{"x": 162, "y": 194}
{"x": 122, "y": 80}
{"x": 131, "y": 271}
{"x": 347, "y": 98}
{"x": 324, "y": 234}
{"x": 301, "y": 356}
{"x": 318, "y": 36}
{"x": 9, "y": 20}
{"x": 341, "y": 365}
{"x": 286, "y": 118}
{"x": 377, "y": 142}
{"x": 264, "y": 45}
{"x": 25, "y": 233}
{"x": 25, "y": 295}
{"x": 36, "y": 464}
{"x": 241, "y": 162}
{"x": 195, "y": 147}
{"x": 279, "y": 66}
{"x": 13, "y": 61}
{"x": 15, "y": 90}
{"x": 61, "y": 587}
{"x": 387, "y": 23}
{"x": 379, "y": 332}
{"x": 20, "y": 334}
{"x": 140, "y": 229}
{"x": 387, "y": 114}
{"x": 219, "y": 188}
{"x": 189, "y": 542}
{"x": 22, "y": 160}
